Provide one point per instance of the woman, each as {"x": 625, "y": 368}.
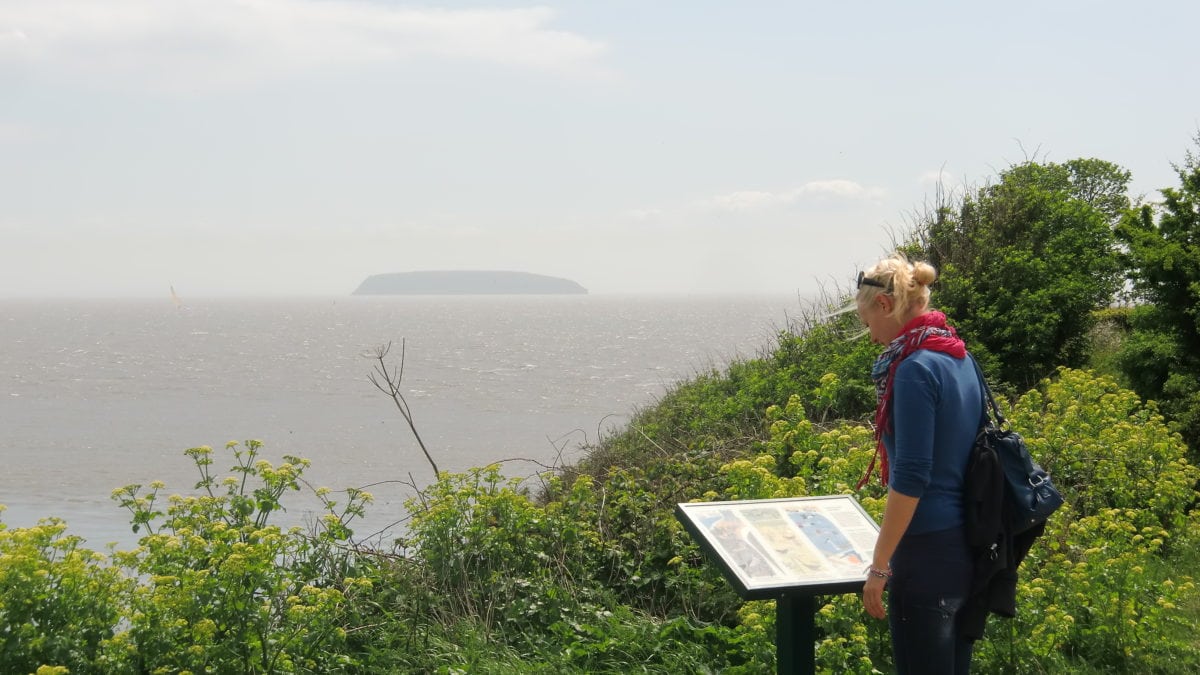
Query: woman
{"x": 930, "y": 406}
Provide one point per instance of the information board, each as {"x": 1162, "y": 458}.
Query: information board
{"x": 770, "y": 547}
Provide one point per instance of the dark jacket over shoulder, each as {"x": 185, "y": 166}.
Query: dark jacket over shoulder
{"x": 998, "y": 552}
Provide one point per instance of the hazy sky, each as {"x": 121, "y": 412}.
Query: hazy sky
{"x": 266, "y": 147}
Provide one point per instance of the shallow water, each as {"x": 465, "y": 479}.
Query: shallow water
{"x": 96, "y": 394}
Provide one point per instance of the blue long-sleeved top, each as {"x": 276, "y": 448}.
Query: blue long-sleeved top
{"x": 936, "y": 409}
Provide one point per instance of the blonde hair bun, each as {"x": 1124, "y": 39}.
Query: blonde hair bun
{"x": 923, "y": 273}
{"x": 905, "y": 281}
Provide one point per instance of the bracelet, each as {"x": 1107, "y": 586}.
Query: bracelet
{"x": 882, "y": 574}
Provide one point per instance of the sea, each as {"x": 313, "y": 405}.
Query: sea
{"x": 99, "y": 394}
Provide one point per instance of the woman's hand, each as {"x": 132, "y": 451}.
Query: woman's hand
{"x": 873, "y": 596}
{"x": 897, "y": 514}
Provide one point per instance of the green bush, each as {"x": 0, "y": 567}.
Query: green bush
{"x": 496, "y": 555}
{"x": 1091, "y": 594}
{"x": 1107, "y": 448}
{"x": 588, "y": 582}
{"x": 597, "y": 575}
{"x": 1162, "y": 259}
{"x": 211, "y": 587}
{"x": 222, "y": 590}
{"x": 1099, "y": 567}
{"x": 1025, "y": 261}
{"x": 1095, "y": 593}
{"x": 59, "y": 603}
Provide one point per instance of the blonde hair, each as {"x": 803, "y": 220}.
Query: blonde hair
{"x": 908, "y": 284}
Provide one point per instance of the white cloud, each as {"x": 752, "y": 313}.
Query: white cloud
{"x": 750, "y": 200}
{"x": 841, "y": 188}
{"x": 224, "y": 42}
{"x": 747, "y": 200}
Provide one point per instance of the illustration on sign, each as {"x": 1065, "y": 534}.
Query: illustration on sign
{"x": 779, "y": 542}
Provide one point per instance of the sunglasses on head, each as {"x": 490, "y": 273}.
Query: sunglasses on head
{"x": 864, "y": 280}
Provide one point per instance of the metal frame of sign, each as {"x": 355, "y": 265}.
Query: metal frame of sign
{"x": 769, "y": 548}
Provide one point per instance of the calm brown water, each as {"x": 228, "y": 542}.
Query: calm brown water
{"x": 99, "y": 394}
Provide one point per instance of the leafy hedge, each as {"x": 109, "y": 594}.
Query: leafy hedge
{"x": 1095, "y": 594}
{"x": 211, "y": 587}
{"x": 600, "y": 577}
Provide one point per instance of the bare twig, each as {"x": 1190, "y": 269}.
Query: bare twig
{"x": 661, "y": 450}
{"x": 388, "y": 381}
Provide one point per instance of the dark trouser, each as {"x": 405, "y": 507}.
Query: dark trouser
{"x": 931, "y": 578}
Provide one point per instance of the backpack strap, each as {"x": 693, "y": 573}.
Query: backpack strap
{"x": 989, "y": 401}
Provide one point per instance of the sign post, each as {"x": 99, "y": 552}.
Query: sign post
{"x": 788, "y": 550}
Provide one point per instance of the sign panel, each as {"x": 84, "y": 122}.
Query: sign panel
{"x": 772, "y": 547}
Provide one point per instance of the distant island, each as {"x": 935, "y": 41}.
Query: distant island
{"x": 467, "y": 282}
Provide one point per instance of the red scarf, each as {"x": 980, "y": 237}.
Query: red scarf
{"x": 927, "y": 331}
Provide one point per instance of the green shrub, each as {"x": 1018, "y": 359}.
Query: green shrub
{"x": 1162, "y": 257}
{"x": 592, "y": 581}
{"x": 59, "y": 603}
{"x": 1107, "y": 448}
{"x": 1094, "y": 591}
{"x": 221, "y": 589}
{"x": 598, "y": 575}
{"x": 1024, "y": 262}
